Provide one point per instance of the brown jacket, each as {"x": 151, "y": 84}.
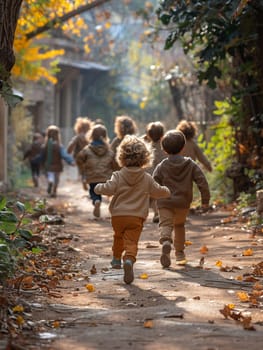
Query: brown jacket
{"x": 131, "y": 189}
{"x": 179, "y": 173}
{"x": 96, "y": 162}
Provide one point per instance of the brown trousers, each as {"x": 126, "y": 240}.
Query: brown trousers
{"x": 127, "y": 232}
{"x": 173, "y": 219}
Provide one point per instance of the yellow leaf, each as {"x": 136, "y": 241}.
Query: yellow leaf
{"x": 219, "y": 263}
{"x": 18, "y": 308}
{"x": 144, "y": 276}
{"x": 187, "y": 243}
{"x": 243, "y": 296}
{"x": 90, "y": 287}
{"x": 239, "y": 278}
{"x": 50, "y": 272}
{"x": 148, "y": 324}
{"x": 19, "y": 320}
{"x": 231, "y": 306}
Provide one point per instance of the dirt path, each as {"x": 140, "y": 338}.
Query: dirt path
{"x": 175, "y": 308}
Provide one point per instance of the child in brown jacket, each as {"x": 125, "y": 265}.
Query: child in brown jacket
{"x": 178, "y": 173}
{"x": 131, "y": 188}
{"x": 96, "y": 162}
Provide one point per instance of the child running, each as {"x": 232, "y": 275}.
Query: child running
{"x": 96, "y": 162}
{"x": 52, "y": 156}
{"x": 178, "y": 173}
{"x": 154, "y": 134}
{"x": 131, "y": 188}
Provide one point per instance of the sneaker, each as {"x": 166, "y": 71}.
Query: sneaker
{"x": 96, "y": 211}
{"x": 180, "y": 258}
{"x": 128, "y": 271}
{"x": 165, "y": 257}
{"x": 156, "y": 218}
{"x": 116, "y": 263}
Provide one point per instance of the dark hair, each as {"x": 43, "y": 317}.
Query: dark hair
{"x": 189, "y": 129}
{"x": 155, "y": 131}
{"x": 98, "y": 133}
{"x": 173, "y": 141}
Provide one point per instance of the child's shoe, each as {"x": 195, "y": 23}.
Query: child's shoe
{"x": 128, "y": 271}
{"x": 116, "y": 263}
{"x": 156, "y": 218}
{"x": 180, "y": 258}
{"x": 165, "y": 257}
{"x": 96, "y": 211}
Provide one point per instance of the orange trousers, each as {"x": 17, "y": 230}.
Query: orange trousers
{"x": 127, "y": 232}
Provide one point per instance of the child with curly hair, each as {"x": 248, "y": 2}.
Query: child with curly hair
{"x": 123, "y": 125}
{"x": 131, "y": 188}
{"x": 191, "y": 149}
{"x": 79, "y": 141}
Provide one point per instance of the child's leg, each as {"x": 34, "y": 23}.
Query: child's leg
{"x": 166, "y": 224}
{"x": 96, "y": 199}
{"x": 179, "y": 232}
{"x": 130, "y": 227}
{"x": 117, "y": 247}
{"x": 166, "y": 228}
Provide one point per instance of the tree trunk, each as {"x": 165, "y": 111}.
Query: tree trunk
{"x": 9, "y": 12}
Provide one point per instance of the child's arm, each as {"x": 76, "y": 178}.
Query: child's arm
{"x": 158, "y": 191}
{"x": 66, "y": 156}
{"x": 202, "y": 184}
{"x": 109, "y": 187}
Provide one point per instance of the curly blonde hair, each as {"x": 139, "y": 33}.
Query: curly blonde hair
{"x": 133, "y": 152}
{"x": 188, "y": 128}
{"x": 124, "y": 125}
{"x": 82, "y": 125}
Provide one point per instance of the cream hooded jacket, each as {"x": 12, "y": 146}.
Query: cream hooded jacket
{"x": 131, "y": 188}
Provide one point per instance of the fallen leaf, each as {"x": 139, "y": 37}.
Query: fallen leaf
{"x": 187, "y": 243}
{"x": 20, "y": 320}
{"x": 239, "y": 278}
{"x": 226, "y": 311}
{"x": 203, "y": 249}
{"x": 148, "y": 324}
{"x": 243, "y": 296}
{"x": 93, "y": 270}
{"x": 219, "y": 263}
{"x": 247, "y": 252}
{"x": 90, "y": 287}
{"x": 18, "y": 308}
{"x": 144, "y": 276}
{"x": 56, "y": 324}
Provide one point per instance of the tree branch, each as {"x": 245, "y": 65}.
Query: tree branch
{"x": 64, "y": 18}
